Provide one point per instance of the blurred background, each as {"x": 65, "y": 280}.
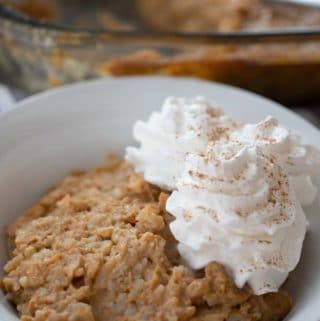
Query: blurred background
{"x": 270, "y": 47}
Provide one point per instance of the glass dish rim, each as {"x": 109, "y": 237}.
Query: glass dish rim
{"x": 243, "y": 36}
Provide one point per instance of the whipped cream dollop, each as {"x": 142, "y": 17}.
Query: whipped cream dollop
{"x": 237, "y": 188}
{"x": 181, "y": 126}
{"x": 235, "y": 206}
{"x": 300, "y": 161}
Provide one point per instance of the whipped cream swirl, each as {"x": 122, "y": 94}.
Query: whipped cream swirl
{"x": 300, "y": 161}
{"x": 237, "y": 189}
{"x": 235, "y": 206}
{"x": 181, "y": 126}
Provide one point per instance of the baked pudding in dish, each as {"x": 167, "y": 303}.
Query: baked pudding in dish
{"x": 56, "y": 42}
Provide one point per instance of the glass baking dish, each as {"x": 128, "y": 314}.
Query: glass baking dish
{"x": 36, "y": 54}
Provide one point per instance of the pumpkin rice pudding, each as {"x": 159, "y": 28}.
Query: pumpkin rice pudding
{"x": 98, "y": 248}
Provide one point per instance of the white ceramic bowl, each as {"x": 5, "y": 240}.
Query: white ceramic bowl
{"x": 74, "y": 127}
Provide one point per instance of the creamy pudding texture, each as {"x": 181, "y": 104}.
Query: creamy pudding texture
{"x": 235, "y": 188}
{"x": 98, "y": 248}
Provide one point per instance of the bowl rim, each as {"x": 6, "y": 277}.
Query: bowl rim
{"x": 299, "y": 34}
{"x": 52, "y": 92}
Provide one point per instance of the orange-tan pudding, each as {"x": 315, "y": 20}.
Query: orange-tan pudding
{"x": 98, "y": 247}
